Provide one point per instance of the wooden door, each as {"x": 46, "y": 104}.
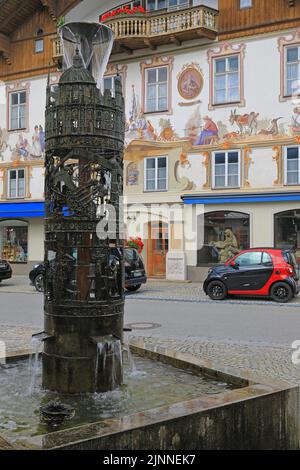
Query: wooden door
{"x": 157, "y": 249}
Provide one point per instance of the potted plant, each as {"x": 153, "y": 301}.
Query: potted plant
{"x": 135, "y": 242}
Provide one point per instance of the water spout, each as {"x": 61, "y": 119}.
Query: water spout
{"x": 109, "y": 362}
{"x": 36, "y": 345}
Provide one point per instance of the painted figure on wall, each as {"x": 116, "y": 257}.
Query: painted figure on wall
{"x": 209, "y": 134}
{"x": 22, "y": 147}
{"x": 190, "y": 83}
{"x": 227, "y": 248}
{"x": 3, "y": 142}
{"x": 296, "y": 120}
{"x": 132, "y": 174}
{"x": 36, "y": 148}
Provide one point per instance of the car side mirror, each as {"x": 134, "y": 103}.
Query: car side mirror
{"x": 234, "y": 265}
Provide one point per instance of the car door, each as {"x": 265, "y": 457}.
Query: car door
{"x": 248, "y": 273}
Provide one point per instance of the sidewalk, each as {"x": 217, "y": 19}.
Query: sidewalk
{"x": 153, "y": 290}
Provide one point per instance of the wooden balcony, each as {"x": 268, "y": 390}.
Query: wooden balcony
{"x": 152, "y": 30}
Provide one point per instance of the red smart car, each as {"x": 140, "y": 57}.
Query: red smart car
{"x": 266, "y": 272}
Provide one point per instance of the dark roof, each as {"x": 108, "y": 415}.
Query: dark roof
{"x": 77, "y": 73}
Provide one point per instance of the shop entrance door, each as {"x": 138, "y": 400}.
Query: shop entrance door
{"x": 157, "y": 249}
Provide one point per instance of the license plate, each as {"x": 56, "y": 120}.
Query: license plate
{"x": 137, "y": 274}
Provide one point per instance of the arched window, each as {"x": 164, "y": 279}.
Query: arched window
{"x": 287, "y": 230}
{"x": 14, "y": 241}
{"x": 221, "y": 235}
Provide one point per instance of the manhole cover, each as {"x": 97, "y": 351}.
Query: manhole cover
{"x": 143, "y": 326}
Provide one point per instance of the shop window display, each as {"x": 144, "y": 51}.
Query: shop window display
{"x": 223, "y": 234}
{"x": 14, "y": 241}
{"x": 287, "y": 231}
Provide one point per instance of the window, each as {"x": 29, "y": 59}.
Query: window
{"x": 17, "y": 102}
{"x": 292, "y": 166}
{"x": 39, "y": 45}
{"x": 153, "y": 5}
{"x": 227, "y": 79}
{"x": 156, "y": 174}
{"x": 287, "y": 231}
{"x": 109, "y": 84}
{"x": 156, "y": 89}
{"x": 267, "y": 259}
{"x": 245, "y": 4}
{"x": 223, "y": 234}
{"x": 16, "y": 183}
{"x": 177, "y": 4}
{"x": 14, "y": 241}
{"x": 252, "y": 258}
{"x": 292, "y": 69}
{"x": 226, "y": 170}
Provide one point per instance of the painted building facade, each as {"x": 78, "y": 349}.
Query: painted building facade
{"x": 212, "y": 131}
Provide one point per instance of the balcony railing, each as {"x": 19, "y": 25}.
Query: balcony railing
{"x": 164, "y": 24}
{"x": 135, "y": 32}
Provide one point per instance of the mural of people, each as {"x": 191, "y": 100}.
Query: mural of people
{"x": 190, "y": 83}
{"x": 36, "y": 149}
{"x": 22, "y": 147}
{"x": 132, "y": 174}
{"x": 42, "y": 138}
{"x": 209, "y": 134}
{"x": 296, "y": 120}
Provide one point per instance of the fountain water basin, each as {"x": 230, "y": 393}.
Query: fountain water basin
{"x": 169, "y": 400}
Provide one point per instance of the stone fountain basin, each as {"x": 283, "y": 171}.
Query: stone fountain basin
{"x": 261, "y": 413}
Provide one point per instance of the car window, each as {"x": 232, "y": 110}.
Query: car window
{"x": 130, "y": 255}
{"x": 249, "y": 259}
{"x": 267, "y": 259}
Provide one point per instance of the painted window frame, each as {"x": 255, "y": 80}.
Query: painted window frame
{"x": 285, "y": 42}
{"x": 17, "y": 106}
{"x": 225, "y": 51}
{"x": 16, "y": 87}
{"x": 226, "y": 152}
{"x": 227, "y": 73}
{"x": 157, "y": 84}
{"x": 113, "y": 70}
{"x": 154, "y": 62}
{"x": 285, "y": 172}
{"x": 286, "y": 48}
{"x": 156, "y": 190}
{"x": 17, "y": 170}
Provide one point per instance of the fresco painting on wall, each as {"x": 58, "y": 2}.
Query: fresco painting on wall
{"x": 139, "y": 128}
{"x": 132, "y": 174}
{"x": 190, "y": 81}
{"x": 22, "y": 149}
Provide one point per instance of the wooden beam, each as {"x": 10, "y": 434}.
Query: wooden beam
{"x": 176, "y": 41}
{"x": 126, "y": 49}
{"x": 51, "y": 7}
{"x": 16, "y": 11}
{"x": 150, "y": 44}
{"x": 5, "y": 47}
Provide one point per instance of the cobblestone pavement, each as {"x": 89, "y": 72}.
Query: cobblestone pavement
{"x": 270, "y": 361}
{"x": 153, "y": 290}
{"x": 265, "y": 359}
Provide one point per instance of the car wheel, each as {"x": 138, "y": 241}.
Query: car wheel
{"x": 133, "y": 288}
{"x": 281, "y": 292}
{"x": 216, "y": 290}
{"x": 39, "y": 283}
